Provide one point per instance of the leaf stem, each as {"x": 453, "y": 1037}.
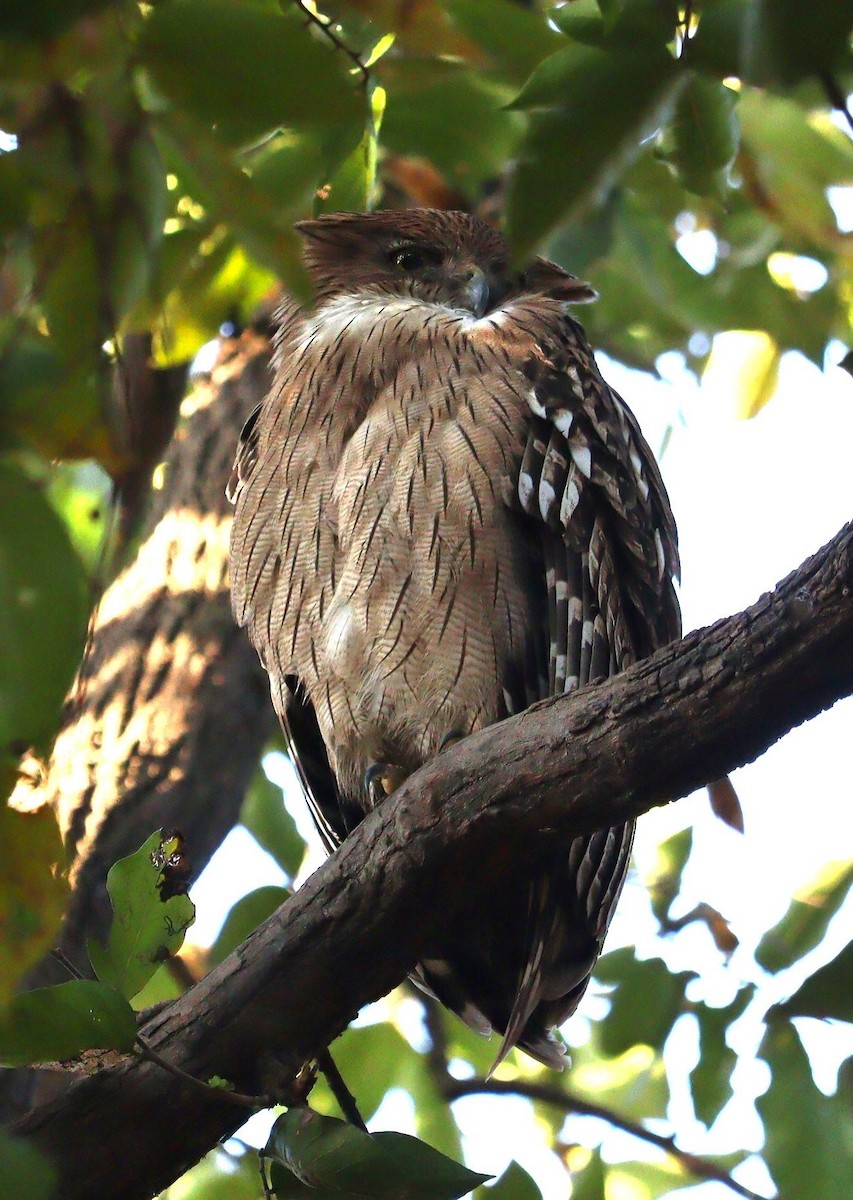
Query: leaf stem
{"x": 326, "y": 27}
{"x": 836, "y": 96}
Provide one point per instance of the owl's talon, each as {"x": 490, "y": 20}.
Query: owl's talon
{"x": 450, "y": 739}
{"x": 380, "y": 780}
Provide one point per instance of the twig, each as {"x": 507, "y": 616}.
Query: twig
{"x": 548, "y": 1093}
{"x": 255, "y": 1103}
{"x": 64, "y": 961}
{"x": 685, "y": 27}
{"x": 344, "y": 1097}
{"x": 570, "y": 1102}
{"x": 328, "y": 31}
{"x": 835, "y": 95}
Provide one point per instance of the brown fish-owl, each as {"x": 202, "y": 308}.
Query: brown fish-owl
{"x": 444, "y": 514}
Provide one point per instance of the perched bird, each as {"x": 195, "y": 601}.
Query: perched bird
{"x": 444, "y": 514}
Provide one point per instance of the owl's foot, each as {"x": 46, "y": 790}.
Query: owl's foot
{"x": 381, "y": 779}
{"x": 451, "y": 738}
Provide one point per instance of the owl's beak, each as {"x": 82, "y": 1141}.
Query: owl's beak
{"x": 476, "y": 291}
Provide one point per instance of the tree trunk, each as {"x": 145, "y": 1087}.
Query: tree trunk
{"x": 167, "y": 718}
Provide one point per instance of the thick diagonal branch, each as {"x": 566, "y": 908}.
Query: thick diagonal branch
{"x": 694, "y": 711}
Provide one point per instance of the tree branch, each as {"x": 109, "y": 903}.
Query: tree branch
{"x": 561, "y": 1097}
{"x": 694, "y": 711}
{"x": 571, "y": 1102}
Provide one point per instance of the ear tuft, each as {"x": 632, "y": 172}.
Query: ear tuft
{"x": 317, "y": 227}
{"x": 551, "y": 280}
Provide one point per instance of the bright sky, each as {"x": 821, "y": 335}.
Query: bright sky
{"x": 752, "y": 500}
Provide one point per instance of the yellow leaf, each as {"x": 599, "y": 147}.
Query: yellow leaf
{"x": 742, "y": 371}
{"x": 32, "y": 891}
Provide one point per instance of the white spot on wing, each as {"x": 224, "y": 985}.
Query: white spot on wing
{"x": 660, "y": 554}
{"x": 337, "y": 635}
{"x": 563, "y": 418}
{"x": 577, "y": 388}
{"x": 547, "y": 497}
{"x": 582, "y": 458}
{"x": 571, "y": 496}
{"x": 536, "y": 404}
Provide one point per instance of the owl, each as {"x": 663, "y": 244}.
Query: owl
{"x": 444, "y": 514}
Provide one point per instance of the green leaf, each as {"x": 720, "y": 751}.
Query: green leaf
{"x": 13, "y": 193}
{"x": 265, "y": 816}
{"x": 24, "y": 1172}
{"x": 826, "y": 993}
{"x": 73, "y": 294}
{"x": 715, "y": 45}
{"x": 782, "y": 44}
{"x": 664, "y": 880}
{"x": 805, "y": 922}
{"x": 285, "y": 1186}
{"x": 229, "y": 193}
{"x": 329, "y": 1154}
{"x": 146, "y": 929}
{"x": 80, "y": 493}
{"x": 288, "y": 169}
{"x": 590, "y": 1183}
{"x": 40, "y": 20}
{"x": 634, "y": 1084}
{"x": 222, "y": 282}
{"x": 373, "y": 1058}
{"x": 246, "y": 915}
{"x": 161, "y": 988}
{"x": 514, "y": 1184}
{"x": 582, "y": 21}
{"x": 219, "y": 1177}
{"x": 649, "y": 1179}
{"x": 710, "y": 1079}
{"x": 54, "y": 1023}
{"x": 43, "y": 612}
{"x": 646, "y": 1003}
{"x": 248, "y": 68}
{"x": 422, "y": 108}
{"x": 580, "y": 246}
{"x": 564, "y": 94}
{"x": 434, "y": 1119}
{"x": 515, "y": 39}
{"x": 808, "y": 1136}
{"x": 32, "y": 890}
{"x": 54, "y": 405}
{"x": 743, "y": 366}
{"x": 351, "y": 187}
{"x": 794, "y": 157}
{"x": 703, "y": 136}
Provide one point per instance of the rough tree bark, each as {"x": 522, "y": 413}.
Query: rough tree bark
{"x": 166, "y": 721}
{"x": 695, "y": 710}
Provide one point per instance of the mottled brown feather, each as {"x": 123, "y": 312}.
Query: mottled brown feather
{"x": 443, "y": 513}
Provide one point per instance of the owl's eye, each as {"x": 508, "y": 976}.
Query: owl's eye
{"x": 410, "y": 258}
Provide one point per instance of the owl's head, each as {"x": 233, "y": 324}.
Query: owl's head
{"x": 449, "y": 258}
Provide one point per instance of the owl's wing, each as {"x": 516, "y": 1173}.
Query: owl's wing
{"x": 590, "y": 484}
{"x": 333, "y": 815}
